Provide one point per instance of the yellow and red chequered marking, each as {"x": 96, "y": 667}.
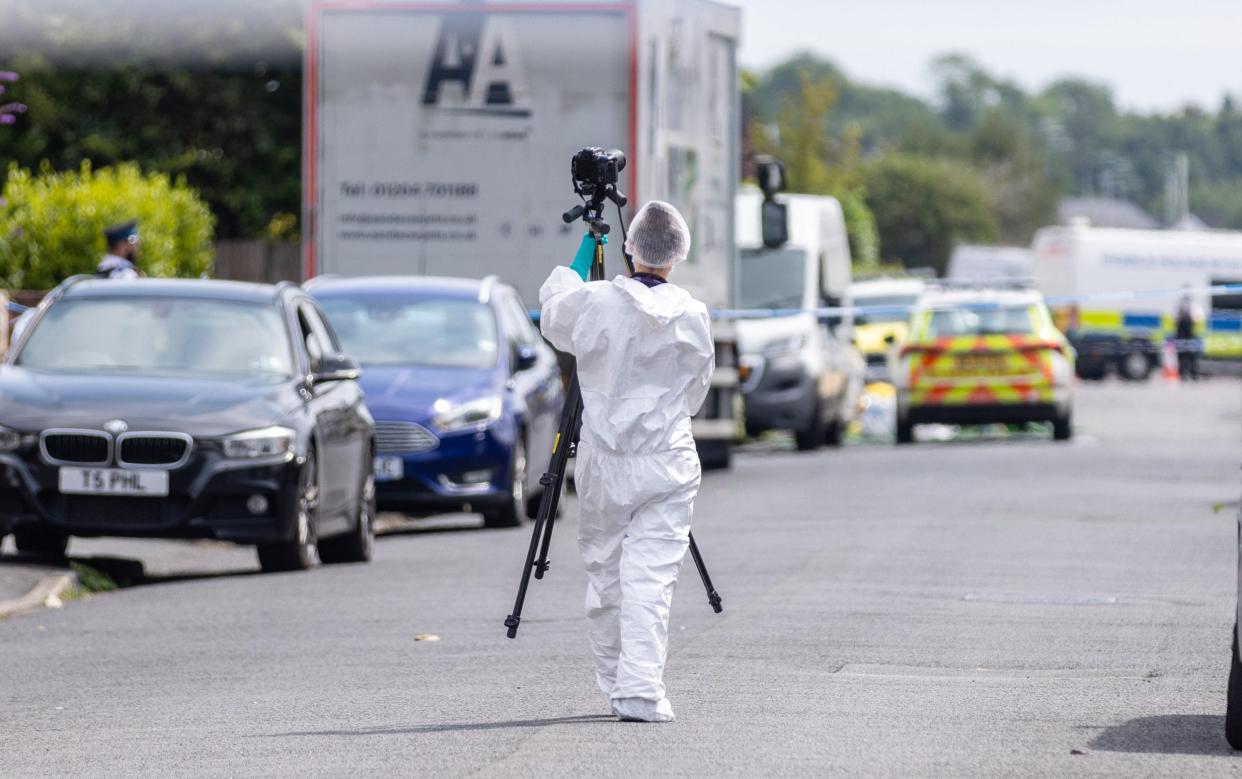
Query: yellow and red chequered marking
{"x": 1024, "y": 373}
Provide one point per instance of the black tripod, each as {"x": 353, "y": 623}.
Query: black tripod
{"x": 565, "y": 444}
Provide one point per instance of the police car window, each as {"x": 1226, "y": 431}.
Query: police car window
{"x": 982, "y": 320}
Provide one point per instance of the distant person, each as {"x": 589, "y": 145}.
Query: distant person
{"x": 118, "y": 263}
{"x": 1187, "y": 341}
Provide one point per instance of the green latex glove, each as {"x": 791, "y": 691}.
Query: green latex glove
{"x": 585, "y": 256}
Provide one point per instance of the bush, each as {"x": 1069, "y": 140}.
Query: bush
{"x": 51, "y": 224}
{"x": 924, "y": 207}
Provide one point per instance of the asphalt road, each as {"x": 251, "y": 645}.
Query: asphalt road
{"x": 997, "y": 606}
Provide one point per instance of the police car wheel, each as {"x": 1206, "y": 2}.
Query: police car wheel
{"x": 1062, "y": 428}
{"x": 1233, "y": 703}
{"x": 905, "y": 431}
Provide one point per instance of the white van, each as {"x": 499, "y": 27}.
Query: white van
{"x": 804, "y": 374}
{"x": 1125, "y": 334}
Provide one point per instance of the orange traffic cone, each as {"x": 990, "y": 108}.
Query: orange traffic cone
{"x": 1169, "y": 361}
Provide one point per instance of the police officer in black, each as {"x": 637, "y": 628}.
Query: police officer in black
{"x": 118, "y": 263}
{"x": 1187, "y": 340}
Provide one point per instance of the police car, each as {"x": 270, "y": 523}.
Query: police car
{"x": 981, "y": 356}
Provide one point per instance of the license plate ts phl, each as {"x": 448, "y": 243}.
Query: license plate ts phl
{"x": 113, "y": 481}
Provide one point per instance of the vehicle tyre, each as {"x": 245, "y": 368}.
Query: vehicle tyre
{"x": 715, "y": 455}
{"x": 1134, "y": 365}
{"x": 40, "y": 541}
{"x": 834, "y": 432}
{"x": 358, "y": 545}
{"x": 1062, "y": 428}
{"x": 300, "y": 552}
{"x": 811, "y": 437}
{"x": 905, "y": 431}
{"x": 1233, "y": 702}
{"x": 511, "y": 513}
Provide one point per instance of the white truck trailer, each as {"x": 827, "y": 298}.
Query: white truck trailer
{"x": 439, "y": 135}
{"x": 1123, "y": 332}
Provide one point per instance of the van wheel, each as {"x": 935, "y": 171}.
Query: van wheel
{"x": 834, "y": 432}
{"x": 905, "y": 431}
{"x": 1134, "y": 366}
{"x": 811, "y": 437}
{"x": 40, "y": 541}
{"x": 715, "y": 455}
{"x": 1233, "y": 702}
{"x": 1062, "y": 428}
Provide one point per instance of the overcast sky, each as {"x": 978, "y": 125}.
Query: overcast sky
{"x": 1156, "y": 54}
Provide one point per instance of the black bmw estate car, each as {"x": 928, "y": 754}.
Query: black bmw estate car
{"x": 185, "y": 409}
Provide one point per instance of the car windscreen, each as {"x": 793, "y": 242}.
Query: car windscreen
{"x": 165, "y": 336}
{"x": 771, "y": 278}
{"x": 434, "y": 332}
{"x": 980, "y": 320}
{"x": 888, "y": 308}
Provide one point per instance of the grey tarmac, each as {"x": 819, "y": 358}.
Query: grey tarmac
{"x": 1004, "y": 605}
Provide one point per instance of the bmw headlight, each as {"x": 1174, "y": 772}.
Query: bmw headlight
{"x": 10, "y": 439}
{"x": 253, "y": 444}
{"x": 475, "y": 413}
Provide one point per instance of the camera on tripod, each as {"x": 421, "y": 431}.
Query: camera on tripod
{"x": 595, "y": 172}
{"x": 596, "y": 167}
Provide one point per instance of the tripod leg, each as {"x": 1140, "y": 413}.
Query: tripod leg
{"x": 511, "y": 622}
{"x": 552, "y": 481}
{"x": 713, "y": 597}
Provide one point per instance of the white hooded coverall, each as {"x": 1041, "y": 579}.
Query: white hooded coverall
{"x": 645, "y": 360}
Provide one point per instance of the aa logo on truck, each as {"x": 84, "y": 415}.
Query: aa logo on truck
{"x": 477, "y": 68}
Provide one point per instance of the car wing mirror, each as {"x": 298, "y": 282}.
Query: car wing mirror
{"x": 334, "y": 366}
{"x": 890, "y": 339}
{"x": 524, "y": 358}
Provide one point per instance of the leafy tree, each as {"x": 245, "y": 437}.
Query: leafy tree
{"x": 815, "y": 165}
{"x": 923, "y": 207}
{"x": 51, "y": 223}
{"x": 211, "y": 91}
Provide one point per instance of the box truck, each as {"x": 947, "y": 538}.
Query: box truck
{"x": 1125, "y": 333}
{"x": 439, "y": 135}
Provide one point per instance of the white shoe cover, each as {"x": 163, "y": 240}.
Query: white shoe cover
{"x": 643, "y": 710}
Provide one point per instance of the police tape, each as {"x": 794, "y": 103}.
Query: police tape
{"x": 826, "y": 312}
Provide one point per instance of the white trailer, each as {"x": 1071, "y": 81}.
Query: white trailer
{"x": 438, "y": 138}
{"x": 1080, "y": 260}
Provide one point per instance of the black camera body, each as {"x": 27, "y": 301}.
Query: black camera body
{"x": 595, "y": 167}
{"x": 595, "y": 172}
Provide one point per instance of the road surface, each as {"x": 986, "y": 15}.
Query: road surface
{"x": 971, "y": 608}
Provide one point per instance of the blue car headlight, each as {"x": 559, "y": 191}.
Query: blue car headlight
{"x": 450, "y": 417}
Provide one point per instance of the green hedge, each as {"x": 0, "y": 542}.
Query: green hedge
{"x": 51, "y": 223}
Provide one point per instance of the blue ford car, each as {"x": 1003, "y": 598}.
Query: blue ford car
{"x": 465, "y": 393}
